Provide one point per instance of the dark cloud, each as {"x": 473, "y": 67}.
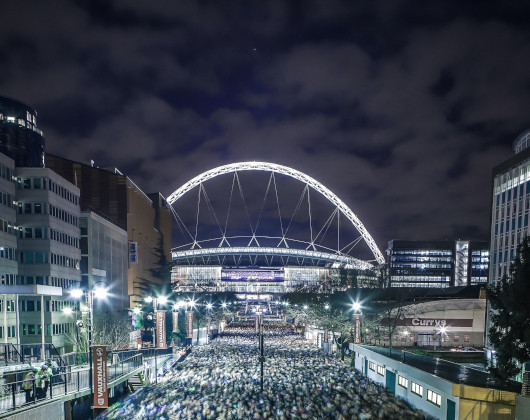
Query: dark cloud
{"x": 401, "y": 111}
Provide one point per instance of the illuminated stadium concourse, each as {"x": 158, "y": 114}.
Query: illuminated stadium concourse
{"x": 286, "y": 239}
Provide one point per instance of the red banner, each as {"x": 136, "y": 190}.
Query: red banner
{"x": 175, "y": 322}
{"x": 99, "y": 376}
{"x": 189, "y": 324}
{"x": 161, "y": 329}
{"x": 357, "y": 328}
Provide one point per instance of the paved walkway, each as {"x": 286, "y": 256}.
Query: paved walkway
{"x": 222, "y": 381}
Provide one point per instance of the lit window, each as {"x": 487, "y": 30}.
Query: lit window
{"x": 381, "y": 370}
{"x": 416, "y": 389}
{"x": 371, "y": 366}
{"x": 21, "y": 122}
{"x": 434, "y": 398}
{"x": 11, "y": 119}
{"x": 28, "y": 116}
{"x": 404, "y": 382}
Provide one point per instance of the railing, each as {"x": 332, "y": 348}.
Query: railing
{"x": 14, "y": 395}
{"x": 25, "y": 353}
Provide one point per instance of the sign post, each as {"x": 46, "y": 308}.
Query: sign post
{"x": 99, "y": 361}
{"x": 175, "y": 322}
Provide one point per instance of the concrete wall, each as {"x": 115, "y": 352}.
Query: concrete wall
{"x": 51, "y": 411}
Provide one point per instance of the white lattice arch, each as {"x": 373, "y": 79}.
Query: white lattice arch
{"x": 293, "y": 173}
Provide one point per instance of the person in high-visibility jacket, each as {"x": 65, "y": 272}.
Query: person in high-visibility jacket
{"x": 27, "y": 385}
{"x": 42, "y": 380}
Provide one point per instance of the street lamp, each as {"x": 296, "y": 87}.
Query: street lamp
{"x": 99, "y": 293}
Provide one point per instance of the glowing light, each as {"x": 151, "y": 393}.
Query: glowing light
{"x": 100, "y": 293}
{"x": 148, "y": 299}
{"x": 76, "y": 293}
{"x": 305, "y": 306}
{"x": 356, "y": 306}
{"x": 223, "y": 305}
{"x": 162, "y": 300}
{"x": 67, "y": 310}
{"x": 136, "y": 310}
{"x": 326, "y": 306}
{"x": 209, "y": 306}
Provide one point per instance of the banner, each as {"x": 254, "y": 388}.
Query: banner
{"x": 325, "y": 336}
{"x": 161, "y": 329}
{"x": 175, "y": 322}
{"x": 357, "y": 328}
{"x": 133, "y": 252}
{"x": 189, "y": 324}
{"x": 99, "y": 376}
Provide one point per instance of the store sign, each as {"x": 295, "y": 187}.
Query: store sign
{"x": 357, "y": 328}
{"x": 133, "y": 252}
{"x": 161, "y": 329}
{"x": 428, "y": 322}
{"x": 99, "y": 379}
{"x": 175, "y": 322}
{"x": 189, "y": 324}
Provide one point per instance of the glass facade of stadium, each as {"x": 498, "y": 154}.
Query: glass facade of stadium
{"x": 268, "y": 279}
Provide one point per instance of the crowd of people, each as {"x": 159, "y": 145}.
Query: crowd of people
{"x": 222, "y": 380}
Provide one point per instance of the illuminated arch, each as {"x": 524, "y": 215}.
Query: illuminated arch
{"x": 293, "y": 173}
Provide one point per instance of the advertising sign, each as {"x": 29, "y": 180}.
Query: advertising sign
{"x": 133, "y": 252}
{"x": 189, "y": 324}
{"x": 99, "y": 378}
{"x": 161, "y": 329}
{"x": 175, "y": 322}
{"x": 357, "y": 328}
{"x": 326, "y": 336}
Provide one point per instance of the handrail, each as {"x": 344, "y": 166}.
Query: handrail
{"x": 14, "y": 394}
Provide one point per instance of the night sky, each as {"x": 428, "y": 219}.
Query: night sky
{"x": 402, "y": 109}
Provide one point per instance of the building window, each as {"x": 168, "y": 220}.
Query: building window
{"x": 381, "y": 370}
{"x": 404, "y": 382}
{"x": 456, "y": 338}
{"x": 466, "y": 338}
{"x": 416, "y": 389}
{"x": 434, "y": 398}
{"x": 371, "y": 366}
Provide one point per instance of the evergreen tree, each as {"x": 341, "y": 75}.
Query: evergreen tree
{"x": 509, "y": 333}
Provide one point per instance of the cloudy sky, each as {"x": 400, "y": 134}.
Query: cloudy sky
{"x": 402, "y": 109}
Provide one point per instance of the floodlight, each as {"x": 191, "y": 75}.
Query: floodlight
{"x": 162, "y": 300}
{"x": 356, "y": 306}
{"x": 148, "y": 299}
{"x": 76, "y": 293}
{"x": 100, "y": 293}
{"x": 136, "y": 310}
{"x": 67, "y": 310}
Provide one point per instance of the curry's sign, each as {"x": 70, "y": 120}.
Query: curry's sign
{"x": 99, "y": 369}
{"x": 161, "y": 329}
{"x": 429, "y": 322}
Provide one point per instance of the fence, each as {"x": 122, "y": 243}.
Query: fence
{"x": 25, "y": 353}
{"x": 14, "y": 395}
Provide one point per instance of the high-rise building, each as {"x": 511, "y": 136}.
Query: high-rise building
{"x": 20, "y": 139}
{"x": 510, "y": 207}
{"x": 146, "y": 219}
{"x": 437, "y": 263}
{"x": 39, "y": 257}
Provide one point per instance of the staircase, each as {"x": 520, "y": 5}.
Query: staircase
{"x": 136, "y": 382}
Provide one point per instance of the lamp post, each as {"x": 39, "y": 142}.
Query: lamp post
{"x": 98, "y": 293}
{"x": 357, "y": 327}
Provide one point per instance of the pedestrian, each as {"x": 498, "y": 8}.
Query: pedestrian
{"x": 28, "y": 385}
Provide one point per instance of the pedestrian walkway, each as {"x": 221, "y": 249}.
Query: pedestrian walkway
{"x": 222, "y": 381}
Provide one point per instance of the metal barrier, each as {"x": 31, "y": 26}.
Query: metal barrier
{"x": 19, "y": 393}
{"x": 25, "y": 353}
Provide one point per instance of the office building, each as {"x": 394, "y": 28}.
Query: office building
{"x": 510, "y": 206}
{"x": 20, "y": 139}
{"x": 437, "y": 263}
{"x": 146, "y": 219}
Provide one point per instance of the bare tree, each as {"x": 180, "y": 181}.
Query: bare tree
{"x": 111, "y": 329}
